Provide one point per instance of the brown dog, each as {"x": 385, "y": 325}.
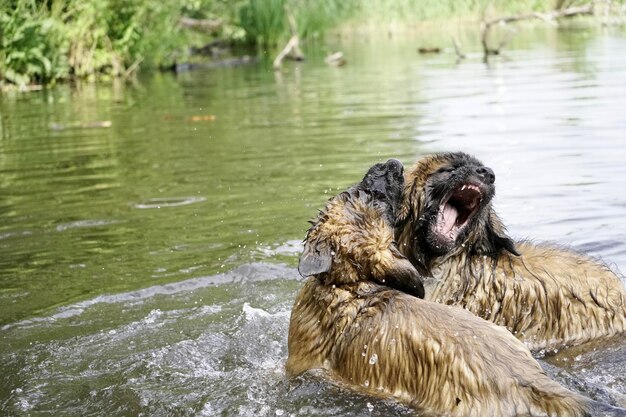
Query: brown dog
{"x": 350, "y": 322}
{"x": 547, "y": 296}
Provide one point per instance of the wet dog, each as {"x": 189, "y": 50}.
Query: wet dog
{"x": 353, "y": 236}
{"x": 547, "y": 296}
{"x": 360, "y": 319}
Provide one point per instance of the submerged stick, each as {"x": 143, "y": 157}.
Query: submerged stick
{"x": 457, "y": 49}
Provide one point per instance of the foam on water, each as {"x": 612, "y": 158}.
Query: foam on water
{"x": 207, "y": 350}
{"x": 195, "y": 358}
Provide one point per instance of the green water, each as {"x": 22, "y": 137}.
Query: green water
{"x": 201, "y": 171}
{"x": 158, "y": 197}
{"x": 147, "y": 265}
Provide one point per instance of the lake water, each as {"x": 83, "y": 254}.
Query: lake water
{"x": 149, "y": 233}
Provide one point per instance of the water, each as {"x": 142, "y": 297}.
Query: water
{"x": 147, "y": 265}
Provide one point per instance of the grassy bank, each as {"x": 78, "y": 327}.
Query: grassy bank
{"x": 43, "y": 41}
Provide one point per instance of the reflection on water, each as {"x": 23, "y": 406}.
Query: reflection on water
{"x": 147, "y": 265}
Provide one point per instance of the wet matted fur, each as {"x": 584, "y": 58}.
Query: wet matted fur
{"x": 385, "y": 342}
{"x": 353, "y": 235}
{"x": 549, "y": 297}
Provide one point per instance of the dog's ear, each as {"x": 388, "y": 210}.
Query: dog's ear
{"x": 397, "y": 272}
{"x": 497, "y": 237}
{"x": 316, "y": 258}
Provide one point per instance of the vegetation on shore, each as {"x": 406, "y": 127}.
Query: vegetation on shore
{"x": 42, "y": 41}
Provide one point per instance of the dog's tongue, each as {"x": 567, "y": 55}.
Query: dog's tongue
{"x": 448, "y": 218}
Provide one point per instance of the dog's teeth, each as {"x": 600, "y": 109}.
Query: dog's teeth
{"x": 462, "y": 188}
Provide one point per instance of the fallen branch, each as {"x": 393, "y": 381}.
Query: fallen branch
{"x": 550, "y": 17}
{"x": 292, "y": 46}
{"x": 335, "y": 59}
{"x": 205, "y": 25}
{"x": 131, "y": 70}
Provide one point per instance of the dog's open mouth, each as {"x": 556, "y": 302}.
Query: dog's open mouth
{"x": 456, "y": 211}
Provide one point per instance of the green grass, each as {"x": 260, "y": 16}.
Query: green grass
{"x": 415, "y": 11}
{"x": 266, "y": 22}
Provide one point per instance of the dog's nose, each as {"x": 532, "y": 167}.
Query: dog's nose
{"x": 486, "y": 174}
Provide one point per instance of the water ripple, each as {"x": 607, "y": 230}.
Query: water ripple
{"x": 162, "y": 202}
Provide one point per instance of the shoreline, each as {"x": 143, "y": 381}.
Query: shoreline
{"x": 436, "y": 28}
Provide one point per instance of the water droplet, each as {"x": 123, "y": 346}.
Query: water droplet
{"x": 373, "y": 359}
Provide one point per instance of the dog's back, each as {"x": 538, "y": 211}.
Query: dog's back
{"x": 549, "y": 297}
{"x": 429, "y": 356}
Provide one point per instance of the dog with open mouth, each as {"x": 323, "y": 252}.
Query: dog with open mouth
{"x": 360, "y": 319}
{"x": 547, "y": 296}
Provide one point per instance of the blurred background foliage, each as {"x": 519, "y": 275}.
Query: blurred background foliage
{"x": 42, "y": 41}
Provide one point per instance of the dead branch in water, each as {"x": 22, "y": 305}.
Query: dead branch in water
{"x": 292, "y": 49}
{"x": 292, "y": 46}
{"x": 457, "y": 49}
{"x": 550, "y": 17}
